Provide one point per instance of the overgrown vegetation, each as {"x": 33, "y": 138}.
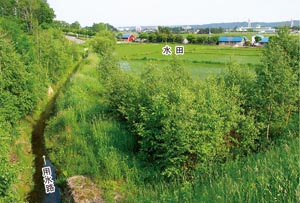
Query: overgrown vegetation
{"x": 32, "y": 58}
{"x": 181, "y": 124}
{"x": 163, "y": 136}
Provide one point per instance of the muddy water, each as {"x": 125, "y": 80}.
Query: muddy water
{"x": 37, "y": 195}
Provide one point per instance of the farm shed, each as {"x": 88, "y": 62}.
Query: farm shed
{"x": 127, "y": 37}
{"x": 263, "y": 40}
{"x": 233, "y": 41}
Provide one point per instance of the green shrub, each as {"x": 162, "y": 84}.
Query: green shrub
{"x": 180, "y": 123}
{"x": 17, "y": 95}
{"x": 103, "y": 43}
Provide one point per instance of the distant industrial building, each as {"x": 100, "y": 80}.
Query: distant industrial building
{"x": 258, "y": 29}
{"x": 138, "y": 29}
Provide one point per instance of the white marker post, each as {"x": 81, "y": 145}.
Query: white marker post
{"x": 44, "y": 157}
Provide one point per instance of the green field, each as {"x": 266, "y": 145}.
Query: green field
{"x": 199, "y": 60}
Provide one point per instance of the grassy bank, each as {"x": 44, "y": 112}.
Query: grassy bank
{"x": 94, "y": 145}
{"x": 271, "y": 176}
{"x": 20, "y": 151}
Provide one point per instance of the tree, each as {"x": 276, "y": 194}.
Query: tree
{"x": 144, "y": 35}
{"x": 161, "y": 37}
{"x": 257, "y": 39}
{"x": 170, "y": 37}
{"x": 7, "y": 7}
{"x": 213, "y": 39}
{"x": 55, "y": 54}
{"x": 103, "y": 43}
{"x": 17, "y": 95}
{"x": 119, "y": 35}
{"x": 165, "y": 30}
{"x": 202, "y": 39}
{"x": 59, "y": 24}
{"x": 25, "y": 12}
{"x": 98, "y": 27}
{"x": 178, "y": 38}
{"x": 45, "y": 14}
{"x": 277, "y": 84}
{"x": 152, "y": 37}
{"x": 76, "y": 25}
{"x": 191, "y": 39}
{"x": 217, "y": 30}
{"x": 33, "y": 13}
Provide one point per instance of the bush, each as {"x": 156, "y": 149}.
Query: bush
{"x": 179, "y": 127}
{"x": 103, "y": 43}
{"x": 56, "y": 54}
{"x": 17, "y": 95}
{"x": 8, "y": 170}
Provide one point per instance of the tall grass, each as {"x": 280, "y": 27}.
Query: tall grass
{"x": 93, "y": 144}
{"x": 271, "y": 176}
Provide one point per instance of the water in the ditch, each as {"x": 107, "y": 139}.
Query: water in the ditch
{"x": 38, "y": 194}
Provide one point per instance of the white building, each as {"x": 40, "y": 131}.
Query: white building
{"x": 258, "y": 28}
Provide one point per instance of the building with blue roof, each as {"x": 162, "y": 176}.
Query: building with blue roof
{"x": 233, "y": 40}
{"x": 263, "y": 40}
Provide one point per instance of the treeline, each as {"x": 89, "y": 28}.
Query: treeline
{"x": 181, "y": 30}
{"x": 32, "y": 58}
{"x": 157, "y": 37}
{"x": 210, "y": 30}
{"x": 89, "y": 31}
{"x": 166, "y": 34}
{"x": 28, "y": 13}
{"x": 182, "y": 125}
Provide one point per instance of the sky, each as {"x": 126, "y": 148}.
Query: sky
{"x": 173, "y": 12}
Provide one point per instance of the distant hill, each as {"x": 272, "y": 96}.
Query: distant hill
{"x": 245, "y": 24}
{"x": 230, "y": 25}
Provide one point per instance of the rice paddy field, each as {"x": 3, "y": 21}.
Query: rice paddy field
{"x": 200, "y": 60}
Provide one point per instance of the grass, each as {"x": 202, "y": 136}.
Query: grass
{"x": 94, "y": 145}
{"x": 83, "y": 140}
{"x": 199, "y": 60}
{"x": 271, "y": 176}
{"x": 19, "y": 149}
{"x": 22, "y": 149}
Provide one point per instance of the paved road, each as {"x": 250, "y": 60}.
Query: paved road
{"x": 75, "y": 39}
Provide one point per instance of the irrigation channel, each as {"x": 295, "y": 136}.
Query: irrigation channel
{"x": 38, "y": 195}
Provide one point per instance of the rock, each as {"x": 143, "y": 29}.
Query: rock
{"x": 13, "y": 158}
{"x": 81, "y": 189}
{"x": 50, "y": 91}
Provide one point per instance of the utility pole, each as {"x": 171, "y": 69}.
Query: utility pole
{"x": 209, "y": 35}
